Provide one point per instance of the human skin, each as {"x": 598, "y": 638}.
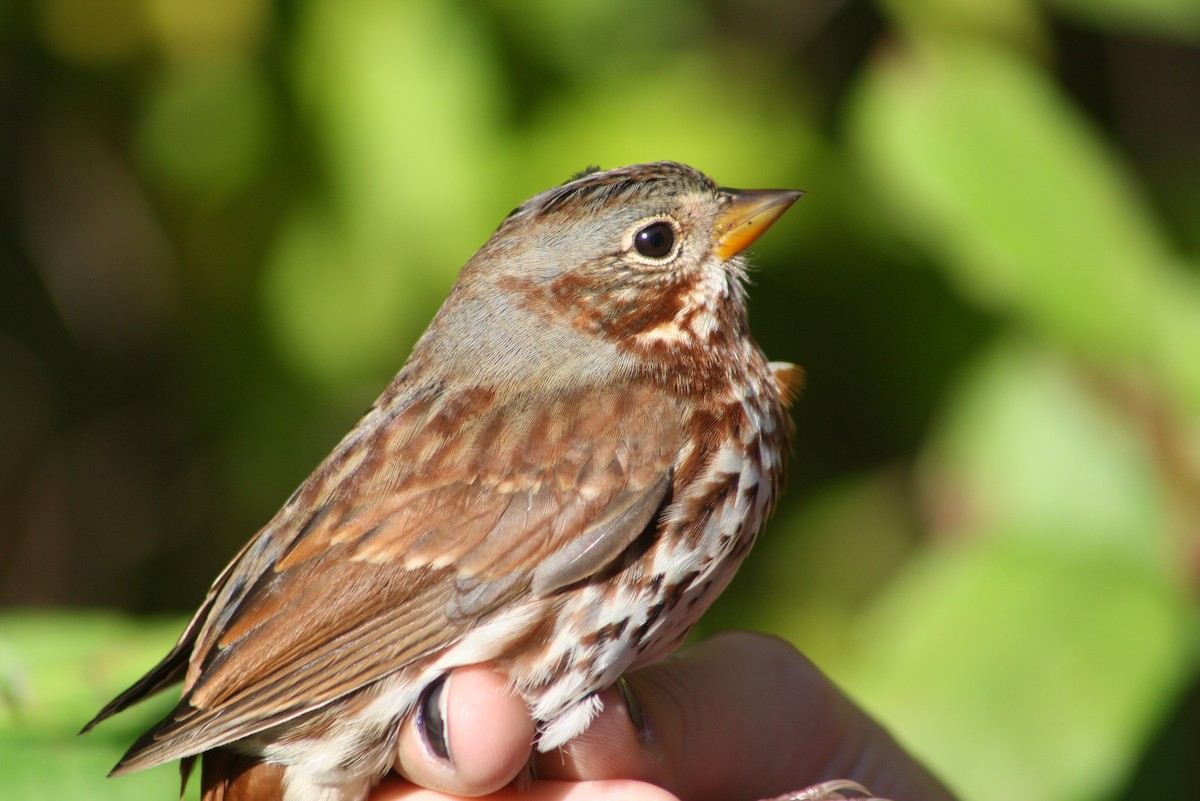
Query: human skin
{"x": 740, "y": 716}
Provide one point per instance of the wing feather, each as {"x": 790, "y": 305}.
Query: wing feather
{"x": 380, "y": 559}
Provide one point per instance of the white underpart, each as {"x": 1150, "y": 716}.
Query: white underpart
{"x": 316, "y": 768}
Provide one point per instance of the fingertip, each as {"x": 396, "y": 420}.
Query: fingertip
{"x": 620, "y": 743}
{"x": 491, "y": 731}
{"x": 488, "y": 736}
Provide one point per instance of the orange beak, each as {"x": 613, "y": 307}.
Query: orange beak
{"x": 750, "y": 212}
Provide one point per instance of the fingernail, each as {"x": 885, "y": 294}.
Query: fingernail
{"x": 633, "y": 707}
{"x": 431, "y": 719}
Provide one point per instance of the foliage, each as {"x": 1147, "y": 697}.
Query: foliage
{"x": 56, "y": 671}
{"x": 232, "y": 218}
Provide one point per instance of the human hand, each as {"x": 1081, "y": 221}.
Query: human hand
{"x": 740, "y": 716}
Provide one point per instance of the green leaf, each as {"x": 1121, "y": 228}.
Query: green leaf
{"x": 1028, "y": 447}
{"x": 1022, "y": 671}
{"x": 1048, "y": 619}
{"x": 404, "y": 101}
{"x": 984, "y": 163}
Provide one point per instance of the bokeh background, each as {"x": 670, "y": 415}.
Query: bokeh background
{"x": 223, "y": 224}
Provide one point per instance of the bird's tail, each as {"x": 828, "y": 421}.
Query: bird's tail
{"x": 226, "y": 775}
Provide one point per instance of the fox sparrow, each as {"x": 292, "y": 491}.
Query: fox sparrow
{"x": 579, "y": 452}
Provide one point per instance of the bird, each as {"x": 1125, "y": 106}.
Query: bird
{"x": 577, "y": 455}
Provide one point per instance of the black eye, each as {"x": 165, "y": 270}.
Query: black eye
{"x": 655, "y": 240}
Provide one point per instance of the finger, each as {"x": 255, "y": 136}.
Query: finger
{"x": 739, "y": 716}
{"x": 393, "y": 789}
{"x": 470, "y": 740}
{"x": 712, "y": 724}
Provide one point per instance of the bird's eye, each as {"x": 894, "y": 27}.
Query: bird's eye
{"x": 656, "y": 240}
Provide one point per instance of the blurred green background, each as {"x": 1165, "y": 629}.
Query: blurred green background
{"x": 223, "y": 224}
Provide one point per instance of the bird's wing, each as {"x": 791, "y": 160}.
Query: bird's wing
{"x": 421, "y": 524}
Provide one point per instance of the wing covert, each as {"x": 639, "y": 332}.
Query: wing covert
{"x": 407, "y": 535}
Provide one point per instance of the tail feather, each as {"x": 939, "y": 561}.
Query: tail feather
{"x": 167, "y": 672}
{"x": 226, "y": 775}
